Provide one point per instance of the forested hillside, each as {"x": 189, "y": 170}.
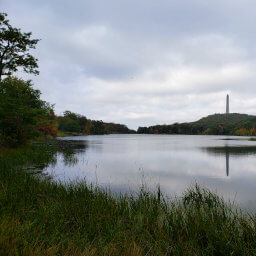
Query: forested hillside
{"x": 217, "y": 124}
{"x": 227, "y": 119}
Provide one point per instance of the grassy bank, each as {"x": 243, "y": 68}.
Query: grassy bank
{"x": 40, "y": 217}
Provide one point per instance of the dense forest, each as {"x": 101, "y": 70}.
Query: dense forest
{"x": 78, "y": 124}
{"x": 217, "y": 124}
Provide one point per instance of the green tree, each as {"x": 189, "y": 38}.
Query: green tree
{"x": 14, "y": 49}
{"x": 21, "y": 109}
{"x": 71, "y": 122}
{"x": 97, "y": 127}
{"x": 69, "y": 125}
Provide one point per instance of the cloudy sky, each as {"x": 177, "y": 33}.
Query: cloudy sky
{"x": 142, "y": 62}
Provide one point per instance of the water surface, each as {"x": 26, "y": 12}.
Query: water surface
{"x": 224, "y": 164}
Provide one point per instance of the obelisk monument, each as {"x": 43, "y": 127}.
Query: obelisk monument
{"x": 227, "y": 105}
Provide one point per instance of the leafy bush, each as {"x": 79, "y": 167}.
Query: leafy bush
{"x": 21, "y": 109}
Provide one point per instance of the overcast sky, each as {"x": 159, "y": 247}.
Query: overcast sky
{"x": 142, "y": 62}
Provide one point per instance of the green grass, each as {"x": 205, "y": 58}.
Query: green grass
{"x": 41, "y": 217}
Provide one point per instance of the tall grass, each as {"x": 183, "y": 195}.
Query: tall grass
{"x": 41, "y": 217}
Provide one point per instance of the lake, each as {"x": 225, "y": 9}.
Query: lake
{"x": 122, "y": 163}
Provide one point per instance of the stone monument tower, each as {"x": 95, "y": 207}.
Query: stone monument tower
{"x": 227, "y": 105}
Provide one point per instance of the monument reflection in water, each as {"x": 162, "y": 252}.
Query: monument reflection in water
{"x": 227, "y": 163}
{"x": 231, "y": 151}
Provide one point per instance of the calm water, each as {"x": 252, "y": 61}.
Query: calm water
{"x": 123, "y": 162}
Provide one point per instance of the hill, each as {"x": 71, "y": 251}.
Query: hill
{"x": 216, "y": 124}
{"x": 223, "y": 119}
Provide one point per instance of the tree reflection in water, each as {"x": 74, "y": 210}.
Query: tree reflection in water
{"x": 66, "y": 149}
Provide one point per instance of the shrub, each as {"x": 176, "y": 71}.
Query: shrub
{"x": 21, "y": 109}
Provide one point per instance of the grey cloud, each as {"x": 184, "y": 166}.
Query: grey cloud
{"x": 143, "y": 62}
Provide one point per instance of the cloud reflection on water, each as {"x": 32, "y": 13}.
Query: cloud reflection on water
{"x": 121, "y": 162}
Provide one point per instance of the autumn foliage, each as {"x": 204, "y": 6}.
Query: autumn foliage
{"x": 23, "y": 115}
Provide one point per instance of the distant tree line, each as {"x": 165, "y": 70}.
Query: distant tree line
{"x": 75, "y": 123}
